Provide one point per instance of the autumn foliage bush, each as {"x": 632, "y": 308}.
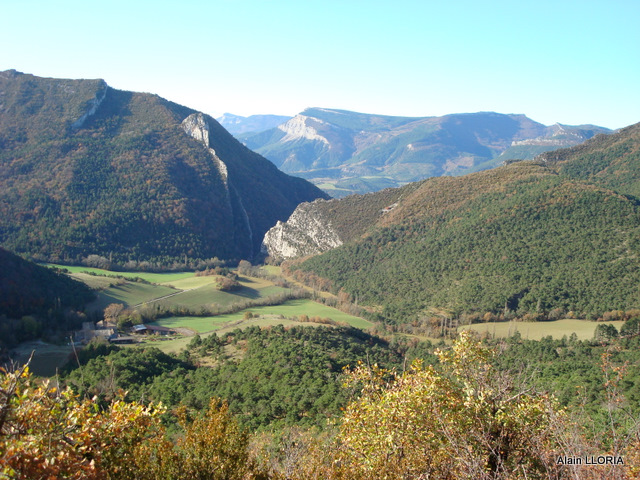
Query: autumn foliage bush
{"x": 50, "y": 434}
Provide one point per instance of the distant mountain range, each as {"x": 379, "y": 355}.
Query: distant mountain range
{"x": 86, "y": 169}
{"x": 556, "y": 234}
{"x": 347, "y": 152}
{"x": 236, "y": 124}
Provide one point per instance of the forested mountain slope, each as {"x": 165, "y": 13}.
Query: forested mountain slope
{"x": 527, "y": 238}
{"x": 612, "y": 161}
{"x": 87, "y": 169}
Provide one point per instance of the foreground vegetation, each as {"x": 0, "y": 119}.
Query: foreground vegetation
{"x": 454, "y": 416}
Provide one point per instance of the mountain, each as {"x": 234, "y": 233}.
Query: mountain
{"x": 345, "y": 152}
{"x": 560, "y": 232}
{"x": 612, "y": 161}
{"x": 86, "y": 169}
{"x": 235, "y": 124}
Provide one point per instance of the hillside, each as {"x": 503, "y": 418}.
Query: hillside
{"x": 86, "y": 169}
{"x": 345, "y": 152}
{"x": 35, "y": 300}
{"x": 612, "y": 161}
{"x": 529, "y": 237}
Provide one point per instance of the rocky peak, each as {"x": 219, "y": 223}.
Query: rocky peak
{"x": 302, "y": 126}
{"x": 197, "y": 127}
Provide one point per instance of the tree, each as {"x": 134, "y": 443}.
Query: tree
{"x": 461, "y": 419}
{"x": 112, "y": 312}
{"x": 46, "y": 433}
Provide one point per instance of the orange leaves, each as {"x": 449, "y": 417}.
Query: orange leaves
{"x": 48, "y": 433}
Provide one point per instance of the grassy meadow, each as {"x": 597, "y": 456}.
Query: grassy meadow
{"x": 538, "y": 330}
{"x": 185, "y": 289}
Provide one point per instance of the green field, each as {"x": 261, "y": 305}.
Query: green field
{"x": 288, "y": 309}
{"x": 537, "y": 330}
{"x": 169, "y": 289}
{"x": 148, "y": 276}
{"x": 305, "y": 307}
{"x": 209, "y": 294}
{"x": 266, "y": 316}
{"x": 186, "y": 290}
{"x": 130, "y": 294}
{"x": 175, "y": 345}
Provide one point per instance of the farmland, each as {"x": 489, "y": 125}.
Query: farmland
{"x": 150, "y": 293}
{"x": 583, "y": 329}
{"x": 210, "y": 309}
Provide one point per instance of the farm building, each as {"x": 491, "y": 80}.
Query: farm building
{"x": 152, "y": 330}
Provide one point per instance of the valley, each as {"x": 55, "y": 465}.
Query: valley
{"x": 397, "y": 331}
{"x": 163, "y": 298}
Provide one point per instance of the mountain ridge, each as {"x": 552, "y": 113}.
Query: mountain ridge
{"x": 237, "y": 124}
{"x": 88, "y": 169}
{"x": 349, "y": 152}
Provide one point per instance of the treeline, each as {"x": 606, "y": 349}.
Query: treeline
{"x": 156, "y": 264}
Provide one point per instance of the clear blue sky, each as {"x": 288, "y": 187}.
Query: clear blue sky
{"x": 561, "y": 61}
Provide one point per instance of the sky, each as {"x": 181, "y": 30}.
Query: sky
{"x": 572, "y": 62}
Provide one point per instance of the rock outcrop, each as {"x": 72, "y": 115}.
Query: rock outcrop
{"x": 196, "y": 126}
{"x": 92, "y": 105}
{"x": 306, "y": 232}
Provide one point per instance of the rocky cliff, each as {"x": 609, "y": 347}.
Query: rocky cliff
{"x": 319, "y": 226}
{"x": 306, "y": 232}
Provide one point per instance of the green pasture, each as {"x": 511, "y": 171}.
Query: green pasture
{"x": 189, "y": 283}
{"x": 130, "y": 294}
{"x": 303, "y": 306}
{"x": 288, "y": 309}
{"x": 538, "y": 330}
{"x": 272, "y": 269}
{"x": 95, "y": 282}
{"x": 197, "y": 324}
{"x": 175, "y": 345}
{"x": 148, "y": 276}
{"x": 209, "y": 294}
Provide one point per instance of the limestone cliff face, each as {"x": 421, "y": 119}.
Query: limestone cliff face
{"x": 304, "y": 127}
{"x": 306, "y": 232}
{"x": 196, "y": 126}
{"x": 92, "y": 105}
